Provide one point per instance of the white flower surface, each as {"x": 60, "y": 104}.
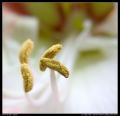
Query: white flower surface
{"x": 91, "y": 87}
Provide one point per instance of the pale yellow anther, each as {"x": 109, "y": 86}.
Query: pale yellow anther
{"x": 27, "y": 77}
{"x": 25, "y": 51}
{"x": 50, "y": 53}
{"x": 55, "y": 65}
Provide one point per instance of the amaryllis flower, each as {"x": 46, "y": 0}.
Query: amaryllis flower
{"x": 90, "y": 88}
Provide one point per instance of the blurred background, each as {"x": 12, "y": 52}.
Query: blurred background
{"x": 89, "y": 33}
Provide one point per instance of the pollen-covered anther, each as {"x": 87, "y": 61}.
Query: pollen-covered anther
{"x": 27, "y": 77}
{"x": 50, "y": 53}
{"x": 55, "y": 65}
{"x": 25, "y": 51}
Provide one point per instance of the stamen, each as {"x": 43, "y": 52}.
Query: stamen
{"x": 45, "y": 62}
{"x": 27, "y": 74}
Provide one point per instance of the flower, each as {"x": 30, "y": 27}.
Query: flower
{"x": 91, "y": 88}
